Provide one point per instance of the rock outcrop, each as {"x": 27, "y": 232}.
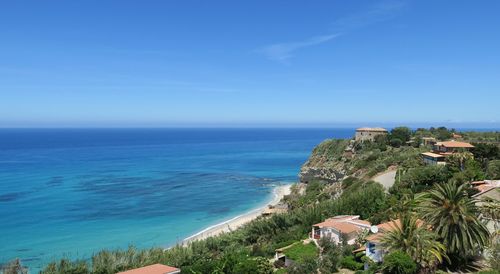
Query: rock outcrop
{"x": 327, "y": 162}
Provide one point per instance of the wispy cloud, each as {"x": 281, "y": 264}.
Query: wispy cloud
{"x": 380, "y": 12}
{"x": 283, "y": 51}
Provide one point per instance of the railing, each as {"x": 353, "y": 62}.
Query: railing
{"x": 316, "y": 236}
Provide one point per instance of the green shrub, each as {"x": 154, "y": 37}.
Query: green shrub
{"x": 398, "y": 262}
{"x": 350, "y": 263}
{"x": 66, "y": 266}
{"x": 401, "y": 133}
{"x": 396, "y": 142}
{"x": 489, "y": 272}
{"x": 493, "y": 170}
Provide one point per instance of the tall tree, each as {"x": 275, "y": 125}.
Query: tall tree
{"x": 454, "y": 217}
{"x": 401, "y": 133}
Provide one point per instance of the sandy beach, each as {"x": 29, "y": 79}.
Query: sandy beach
{"x": 236, "y": 222}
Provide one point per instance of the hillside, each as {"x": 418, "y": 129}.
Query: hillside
{"x": 329, "y": 161}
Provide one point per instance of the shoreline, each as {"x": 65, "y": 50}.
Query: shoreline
{"x": 232, "y": 224}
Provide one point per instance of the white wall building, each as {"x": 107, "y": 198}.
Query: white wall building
{"x": 338, "y": 226}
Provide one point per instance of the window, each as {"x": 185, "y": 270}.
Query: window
{"x": 371, "y": 247}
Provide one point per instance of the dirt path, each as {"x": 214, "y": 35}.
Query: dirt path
{"x": 386, "y": 179}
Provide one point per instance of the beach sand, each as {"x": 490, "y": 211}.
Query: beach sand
{"x": 232, "y": 224}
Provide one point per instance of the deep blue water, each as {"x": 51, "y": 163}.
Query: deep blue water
{"x": 71, "y": 192}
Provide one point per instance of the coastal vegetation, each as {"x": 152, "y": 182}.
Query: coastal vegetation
{"x": 441, "y": 220}
{"x": 300, "y": 252}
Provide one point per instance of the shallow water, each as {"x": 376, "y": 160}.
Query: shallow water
{"x": 71, "y": 192}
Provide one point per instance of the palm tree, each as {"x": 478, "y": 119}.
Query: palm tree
{"x": 454, "y": 218}
{"x": 415, "y": 239}
{"x": 459, "y": 159}
{"x": 361, "y": 237}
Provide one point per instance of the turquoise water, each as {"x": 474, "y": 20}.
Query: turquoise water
{"x": 71, "y": 192}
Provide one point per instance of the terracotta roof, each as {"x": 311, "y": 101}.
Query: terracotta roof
{"x": 389, "y": 226}
{"x": 433, "y": 155}
{"x": 345, "y": 224}
{"x": 153, "y": 269}
{"x": 378, "y": 129}
{"x": 383, "y": 227}
{"x": 363, "y": 222}
{"x": 341, "y": 218}
{"x": 386, "y": 227}
{"x": 454, "y": 144}
{"x": 347, "y": 227}
{"x": 374, "y": 238}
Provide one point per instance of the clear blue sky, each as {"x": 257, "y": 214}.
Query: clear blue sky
{"x": 173, "y": 63}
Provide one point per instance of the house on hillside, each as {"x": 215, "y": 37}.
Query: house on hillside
{"x": 369, "y": 134}
{"x": 442, "y": 149}
{"x": 450, "y": 147}
{"x": 153, "y": 269}
{"x": 339, "y": 228}
{"x": 431, "y": 158}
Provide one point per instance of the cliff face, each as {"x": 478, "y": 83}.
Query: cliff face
{"x": 326, "y": 163}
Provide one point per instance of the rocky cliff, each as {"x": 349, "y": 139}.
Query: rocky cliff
{"x": 328, "y": 162}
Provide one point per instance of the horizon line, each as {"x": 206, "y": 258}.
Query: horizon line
{"x": 450, "y": 125}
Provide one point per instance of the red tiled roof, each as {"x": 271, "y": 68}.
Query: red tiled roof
{"x": 337, "y": 219}
{"x": 386, "y": 227}
{"x": 389, "y": 226}
{"x": 455, "y": 144}
{"x": 152, "y": 269}
{"x": 375, "y": 238}
{"x": 345, "y": 224}
{"x": 346, "y": 227}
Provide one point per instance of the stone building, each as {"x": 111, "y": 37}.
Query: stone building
{"x": 369, "y": 134}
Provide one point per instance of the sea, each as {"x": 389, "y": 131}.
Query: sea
{"x": 68, "y": 193}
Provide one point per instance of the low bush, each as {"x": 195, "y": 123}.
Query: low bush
{"x": 350, "y": 263}
{"x": 398, "y": 262}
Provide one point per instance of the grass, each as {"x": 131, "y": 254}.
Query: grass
{"x": 280, "y": 271}
{"x": 299, "y": 251}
